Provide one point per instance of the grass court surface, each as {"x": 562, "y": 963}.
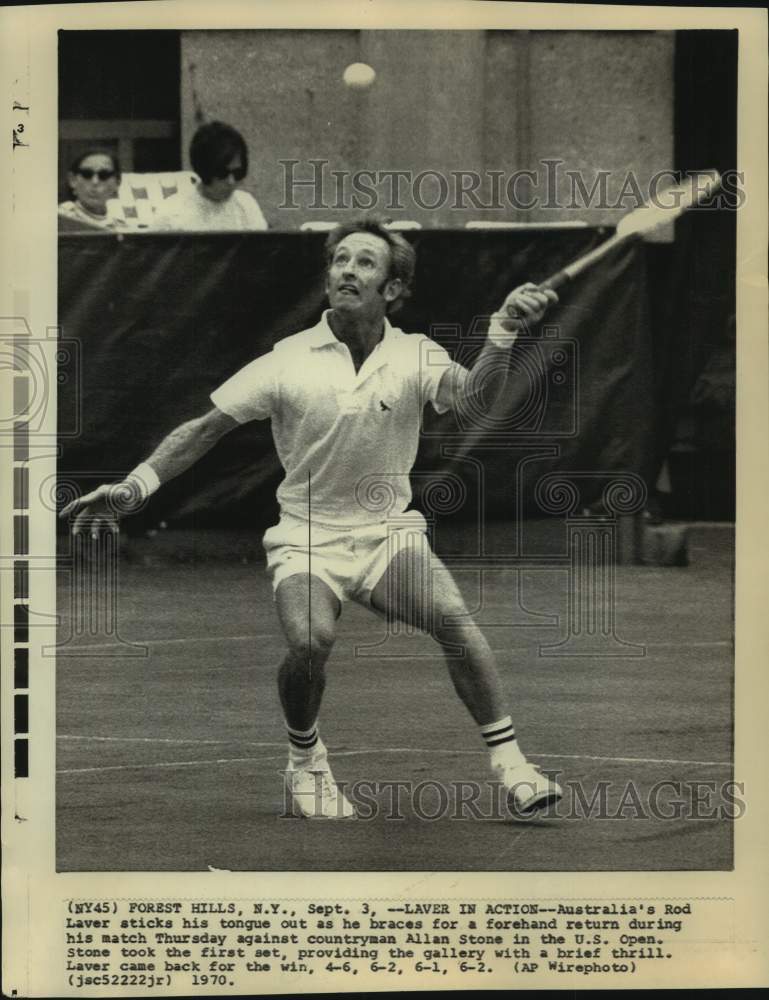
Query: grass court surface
{"x": 171, "y": 761}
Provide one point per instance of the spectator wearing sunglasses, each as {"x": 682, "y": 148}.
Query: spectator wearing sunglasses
{"x": 219, "y": 157}
{"x": 93, "y": 178}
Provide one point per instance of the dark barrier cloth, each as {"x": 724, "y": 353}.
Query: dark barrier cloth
{"x": 164, "y": 319}
{"x": 693, "y": 325}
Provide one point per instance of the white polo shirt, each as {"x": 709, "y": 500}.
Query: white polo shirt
{"x": 347, "y": 440}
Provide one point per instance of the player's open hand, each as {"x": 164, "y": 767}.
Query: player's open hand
{"x": 97, "y": 513}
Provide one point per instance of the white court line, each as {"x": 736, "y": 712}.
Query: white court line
{"x": 389, "y": 750}
{"x": 279, "y": 635}
{"x": 163, "y": 739}
{"x": 634, "y": 760}
{"x": 548, "y": 756}
{"x": 169, "y": 763}
{"x": 171, "y": 642}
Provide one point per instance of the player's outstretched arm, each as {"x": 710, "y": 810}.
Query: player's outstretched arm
{"x": 98, "y": 511}
{"x": 523, "y": 308}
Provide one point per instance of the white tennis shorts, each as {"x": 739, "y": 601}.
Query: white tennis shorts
{"x": 350, "y": 561}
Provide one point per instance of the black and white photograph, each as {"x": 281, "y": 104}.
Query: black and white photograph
{"x": 388, "y": 493}
{"x": 494, "y": 546}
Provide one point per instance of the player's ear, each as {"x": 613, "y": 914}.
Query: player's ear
{"x": 393, "y": 289}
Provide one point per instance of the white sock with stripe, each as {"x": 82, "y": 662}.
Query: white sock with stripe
{"x": 500, "y": 738}
{"x": 304, "y": 744}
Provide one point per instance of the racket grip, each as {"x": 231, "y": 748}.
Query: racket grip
{"x": 555, "y": 281}
{"x": 576, "y": 267}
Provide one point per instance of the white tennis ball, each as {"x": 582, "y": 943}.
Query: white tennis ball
{"x": 359, "y": 76}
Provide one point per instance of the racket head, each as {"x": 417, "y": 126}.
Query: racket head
{"x": 669, "y": 203}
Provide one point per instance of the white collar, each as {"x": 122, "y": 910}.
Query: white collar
{"x": 322, "y": 334}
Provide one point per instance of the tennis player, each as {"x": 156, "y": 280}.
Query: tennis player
{"x": 346, "y": 400}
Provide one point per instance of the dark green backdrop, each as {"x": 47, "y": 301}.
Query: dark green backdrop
{"x": 163, "y": 319}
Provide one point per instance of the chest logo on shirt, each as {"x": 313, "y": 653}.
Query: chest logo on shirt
{"x": 383, "y": 406}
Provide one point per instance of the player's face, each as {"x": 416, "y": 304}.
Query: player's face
{"x": 94, "y": 183}
{"x": 220, "y": 188}
{"x": 358, "y": 277}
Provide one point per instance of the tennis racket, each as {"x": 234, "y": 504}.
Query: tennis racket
{"x": 672, "y": 202}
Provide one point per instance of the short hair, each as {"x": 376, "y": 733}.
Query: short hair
{"x": 213, "y": 147}
{"x": 78, "y": 161}
{"x": 402, "y": 255}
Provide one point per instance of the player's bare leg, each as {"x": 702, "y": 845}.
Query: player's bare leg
{"x": 423, "y": 593}
{"x": 417, "y": 589}
{"x": 307, "y": 610}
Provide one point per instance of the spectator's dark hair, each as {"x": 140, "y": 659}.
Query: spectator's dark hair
{"x": 214, "y": 146}
{"x": 402, "y": 255}
{"x": 78, "y": 161}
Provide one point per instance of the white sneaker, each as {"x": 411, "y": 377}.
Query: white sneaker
{"x": 527, "y": 788}
{"x": 315, "y": 793}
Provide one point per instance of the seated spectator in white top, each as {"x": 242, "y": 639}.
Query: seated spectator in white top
{"x": 94, "y": 178}
{"x": 219, "y": 156}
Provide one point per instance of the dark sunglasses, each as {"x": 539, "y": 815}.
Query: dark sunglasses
{"x": 87, "y": 174}
{"x": 224, "y": 173}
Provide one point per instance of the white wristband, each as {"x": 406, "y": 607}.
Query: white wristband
{"x": 146, "y": 477}
{"x": 498, "y": 335}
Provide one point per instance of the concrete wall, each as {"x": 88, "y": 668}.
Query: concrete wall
{"x": 442, "y": 102}
{"x": 603, "y": 101}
